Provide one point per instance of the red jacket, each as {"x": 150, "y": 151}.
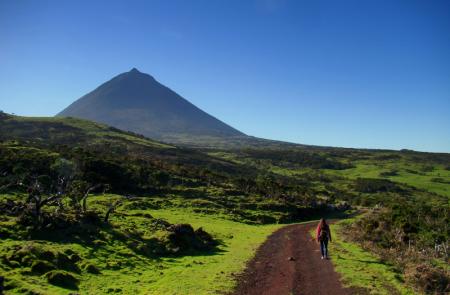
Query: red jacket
{"x": 318, "y": 230}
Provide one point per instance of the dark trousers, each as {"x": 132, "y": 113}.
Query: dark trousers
{"x": 324, "y": 247}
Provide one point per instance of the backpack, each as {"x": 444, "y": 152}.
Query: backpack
{"x": 324, "y": 234}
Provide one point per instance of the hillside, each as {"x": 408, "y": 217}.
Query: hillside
{"x": 134, "y": 164}
{"x": 136, "y": 102}
{"x": 91, "y": 208}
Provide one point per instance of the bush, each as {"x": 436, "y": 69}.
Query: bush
{"x": 428, "y": 279}
{"x": 427, "y": 168}
{"x": 440, "y": 180}
{"x": 406, "y": 233}
{"x": 374, "y": 185}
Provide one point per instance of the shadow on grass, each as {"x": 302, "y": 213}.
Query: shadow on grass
{"x": 156, "y": 249}
{"x": 101, "y": 236}
{"x": 365, "y": 261}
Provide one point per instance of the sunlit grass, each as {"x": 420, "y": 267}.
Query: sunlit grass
{"x": 125, "y": 271}
{"x": 407, "y": 173}
{"x": 361, "y": 269}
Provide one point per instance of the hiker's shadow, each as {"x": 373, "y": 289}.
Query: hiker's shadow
{"x": 364, "y": 261}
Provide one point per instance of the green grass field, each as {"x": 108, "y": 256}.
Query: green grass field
{"x": 408, "y": 173}
{"x": 125, "y": 271}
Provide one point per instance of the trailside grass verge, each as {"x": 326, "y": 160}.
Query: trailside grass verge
{"x": 362, "y": 270}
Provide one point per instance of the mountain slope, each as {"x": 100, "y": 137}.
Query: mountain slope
{"x": 135, "y": 101}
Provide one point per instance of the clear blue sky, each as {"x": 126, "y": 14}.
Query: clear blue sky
{"x": 359, "y": 73}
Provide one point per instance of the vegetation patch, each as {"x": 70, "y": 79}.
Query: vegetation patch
{"x": 362, "y": 270}
{"x": 119, "y": 212}
{"x": 62, "y": 279}
{"x": 164, "y": 254}
{"x": 419, "y": 258}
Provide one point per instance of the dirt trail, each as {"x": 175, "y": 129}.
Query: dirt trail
{"x": 272, "y": 273}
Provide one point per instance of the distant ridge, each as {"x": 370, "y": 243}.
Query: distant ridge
{"x": 135, "y": 101}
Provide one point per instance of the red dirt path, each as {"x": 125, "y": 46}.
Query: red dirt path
{"x": 271, "y": 272}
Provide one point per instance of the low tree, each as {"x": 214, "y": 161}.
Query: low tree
{"x": 112, "y": 207}
{"x": 39, "y": 195}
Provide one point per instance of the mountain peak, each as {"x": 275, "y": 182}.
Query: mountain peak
{"x": 135, "y": 73}
{"x": 135, "y": 101}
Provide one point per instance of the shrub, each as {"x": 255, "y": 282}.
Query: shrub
{"x": 407, "y": 233}
{"x": 427, "y": 168}
{"x": 428, "y": 279}
{"x": 374, "y": 185}
{"x": 440, "y": 180}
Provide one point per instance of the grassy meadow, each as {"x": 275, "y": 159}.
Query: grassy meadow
{"x": 121, "y": 269}
{"x": 430, "y": 178}
{"x": 91, "y": 209}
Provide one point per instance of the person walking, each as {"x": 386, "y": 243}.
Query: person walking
{"x": 323, "y": 235}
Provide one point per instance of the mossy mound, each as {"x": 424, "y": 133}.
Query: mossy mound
{"x": 64, "y": 262}
{"x": 92, "y": 269}
{"x": 74, "y": 258}
{"x": 47, "y": 255}
{"x": 62, "y": 279}
{"x": 182, "y": 237}
{"x": 40, "y": 259}
{"x": 41, "y": 267}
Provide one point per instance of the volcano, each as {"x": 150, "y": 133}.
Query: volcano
{"x": 135, "y": 101}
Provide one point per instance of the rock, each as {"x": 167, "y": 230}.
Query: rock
{"x": 291, "y": 258}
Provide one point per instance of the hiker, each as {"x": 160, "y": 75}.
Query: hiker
{"x": 323, "y": 235}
